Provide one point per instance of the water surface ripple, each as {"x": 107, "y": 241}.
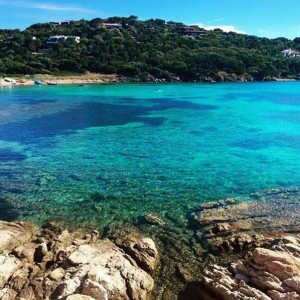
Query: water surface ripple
{"x": 95, "y": 154}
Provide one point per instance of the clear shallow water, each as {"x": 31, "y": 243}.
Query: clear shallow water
{"x": 95, "y": 154}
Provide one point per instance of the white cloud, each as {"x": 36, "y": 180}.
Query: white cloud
{"x": 44, "y": 6}
{"x": 289, "y": 33}
{"x": 267, "y": 32}
{"x": 225, "y": 28}
{"x": 215, "y": 21}
{"x": 49, "y": 6}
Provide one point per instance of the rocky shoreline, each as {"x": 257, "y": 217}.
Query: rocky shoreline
{"x": 255, "y": 245}
{"x": 56, "y": 264}
{"x": 228, "y": 249}
{"x": 271, "y": 272}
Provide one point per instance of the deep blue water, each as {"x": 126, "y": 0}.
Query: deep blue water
{"x": 94, "y": 154}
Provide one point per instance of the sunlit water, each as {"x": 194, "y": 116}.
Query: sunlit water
{"x": 94, "y": 154}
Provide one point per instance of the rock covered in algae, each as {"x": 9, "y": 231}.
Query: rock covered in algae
{"x": 154, "y": 219}
{"x": 228, "y": 226}
{"x": 64, "y": 265}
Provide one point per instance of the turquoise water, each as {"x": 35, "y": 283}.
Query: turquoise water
{"x": 94, "y": 154}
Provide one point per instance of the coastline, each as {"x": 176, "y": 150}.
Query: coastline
{"x": 89, "y": 78}
{"x": 97, "y": 78}
{"x": 234, "y": 250}
{"x": 188, "y": 240}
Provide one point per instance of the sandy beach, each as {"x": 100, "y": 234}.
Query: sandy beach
{"x": 88, "y": 78}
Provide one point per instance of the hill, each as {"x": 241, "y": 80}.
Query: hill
{"x": 145, "y": 51}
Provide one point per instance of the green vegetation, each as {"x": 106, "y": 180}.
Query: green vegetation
{"x": 145, "y": 50}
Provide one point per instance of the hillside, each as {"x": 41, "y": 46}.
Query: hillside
{"x": 144, "y": 51}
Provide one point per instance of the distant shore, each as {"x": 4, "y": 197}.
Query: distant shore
{"x": 89, "y": 78}
{"x": 96, "y": 78}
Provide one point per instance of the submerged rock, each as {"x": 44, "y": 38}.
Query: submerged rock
{"x": 154, "y": 219}
{"x": 232, "y": 226}
{"x": 57, "y": 264}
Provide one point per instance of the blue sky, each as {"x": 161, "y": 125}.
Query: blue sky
{"x": 269, "y": 18}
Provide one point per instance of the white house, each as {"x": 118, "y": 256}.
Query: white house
{"x": 60, "y": 39}
{"x": 290, "y": 53}
{"x": 60, "y": 23}
{"x": 110, "y": 25}
{"x": 190, "y": 31}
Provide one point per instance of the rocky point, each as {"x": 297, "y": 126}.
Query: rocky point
{"x": 56, "y": 264}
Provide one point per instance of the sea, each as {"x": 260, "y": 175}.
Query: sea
{"x": 91, "y": 155}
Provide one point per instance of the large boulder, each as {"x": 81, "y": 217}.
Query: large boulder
{"x": 143, "y": 251}
{"x": 224, "y": 286}
{"x": 56, "y": 264}
{"x": 105, "y": 271}
{"x": 8, "y": 266}
{"x": 281, "y": 264}
{"x": 14, "y": 234}
{"x": 269, "y": 273}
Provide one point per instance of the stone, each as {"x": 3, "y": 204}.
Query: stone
{"x": 50, "y": 287}
{"x": 8, "y": 266}
{"x": 95, "y": 290}
{"x": 143, "y": 251}
{"x": 25, "y": 251}
{"x": 219, "y": 281}
{"x": 8, "y": 294}
{"x": 274, "y": 211}
{"x": 154, "y": 219}
{"x": 233, "y": 242}
{"x": 19, "y": 279}
{"x": 275, "y": 295}
{"x": 13, "y": 234}
{"x": 215, "y": 204}
{"x": 280, "y": 264}
{"x": 68, "y": 287}
{"x": 107, "y": 268}
{"x": 94, "y": 236}
{"x": 62, "y": 265}
{"x": 265, "y": 274}
{"x": 79, "y": 297}
{"x": 40, "y": 252}
{"x": 57, "y": 274}
{"x": 183, "y": 274}
{"x": 293, "y": 283}
{"x": 83, "y": 255}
